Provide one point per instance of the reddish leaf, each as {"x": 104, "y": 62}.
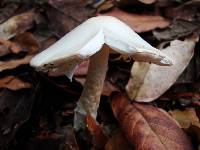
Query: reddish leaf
{"x": 95, "y": 129}
{"x": 6, "y": 65}
{"x": 148, "y": 127}
{"x": 13, "y": 83}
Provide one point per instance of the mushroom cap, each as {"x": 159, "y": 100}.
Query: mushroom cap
{"x": 89, "y": 37}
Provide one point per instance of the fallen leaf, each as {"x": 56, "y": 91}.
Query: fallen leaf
{"x": 6, "y": 65}
{"x": 65, "y": 15}
{"x": 4, "y": 47}
{"x": 69, "y": 141}
{"x": 147, "y": 85}
{"x": 108, "y": 87}
{"x": 118, "y": 142}
{"x": 178, "y": 29}
{"x": 27, "y": 42}
{"x": 185, "y": 118}
{"x": 95, "y": 129}
{"x": 15, "y": 110}
{"x": 139, "y": 22}
{"x": 107, "y": 5}
{"x": 148, "y": 127}
{"x": 187, "y": 11}
{"x": 16, "y": 25}
{"x": 189, "y": 121}
{"x": 8, "y": 11}
{"x": 13, "y": 83}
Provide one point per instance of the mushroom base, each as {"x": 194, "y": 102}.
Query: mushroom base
{"x": 89, "y": 101}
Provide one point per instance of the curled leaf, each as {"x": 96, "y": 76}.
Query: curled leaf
{"x": 150, "y": 82}
{"x": 185, "y": 118}
{"x": 17, "y": 24}
{"x": 148, "y": 127}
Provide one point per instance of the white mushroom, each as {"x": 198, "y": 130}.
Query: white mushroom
{"x": 95, "y": 37}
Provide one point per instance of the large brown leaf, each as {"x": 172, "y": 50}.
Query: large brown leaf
{"x": 148, "y": 127}
{"x": 138, "y": 22}
{"x": 148, "y": 82}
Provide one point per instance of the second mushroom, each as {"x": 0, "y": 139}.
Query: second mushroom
{"x": 95, "y": 38}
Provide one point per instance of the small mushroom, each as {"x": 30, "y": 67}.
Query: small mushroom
{"x": 95, "y": 38}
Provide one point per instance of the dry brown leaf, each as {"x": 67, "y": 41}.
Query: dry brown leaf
{"x": 65, "y": 15}
{"x": 13, "y": 83}
{"x": 99, "y": 138}
{"x": 118, "y": 142}
{"x": 23, "y": 42}
{"x": 187, "y": 11}
{"x": 189, "y": 121}
{"x": 17, "y": 24}
{"x": 108, "y": 87}
{"x": 185, "y": 118}
{"x": 158, "y": 79}
{"x": 178, "y": 29}
{"x": 6, "y": 65}
{"x": 148, "y": 127}
{"x": 27, "y": 42}
{"x": 139, "y": 23}
{"x": 4, "y": 47}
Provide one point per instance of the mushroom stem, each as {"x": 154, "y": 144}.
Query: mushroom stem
{"x": 90, "y": 97}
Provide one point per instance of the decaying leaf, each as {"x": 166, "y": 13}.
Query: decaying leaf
{"x": 5, "y": 65}
{"x": 148, "y": 127}
{"x": 25, "y": 42}
{"x": 139, "y": 23}
{"x": 69, "y": 139}
{"x": 189, "y": 121}
{"x": 99, "y": 138}
{"x": 28, "y": 43}
{"x": 178, "y": 29}
{"x": 15, "y": 110}
{"x": 118, "y": 142}
{"x": 13, "y": 83}
{"x": 187, "y": 11}
{"x": 108, "y": 87}
{"x": 65, "y": 15}
{"x": 17, "y": 24}
{"x": 152, "y": 82}
{"x": 4, "y": 47}
{"x": 185, "y": 118}
{"x": 8, "y": 11}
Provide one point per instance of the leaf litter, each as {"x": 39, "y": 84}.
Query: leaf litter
{"x": 37, "y": 109}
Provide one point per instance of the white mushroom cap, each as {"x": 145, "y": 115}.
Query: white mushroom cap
{"x": 89, "y": 37}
